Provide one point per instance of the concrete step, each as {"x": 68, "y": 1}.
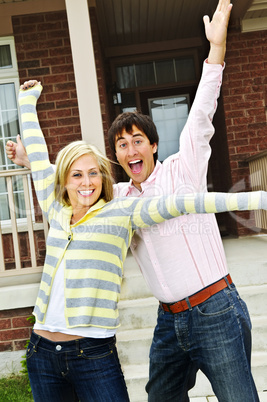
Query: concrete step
{"x": 133, "y": 346}
{"x": 136, "y": 377}
{"x": 255, "y": 298}
{"x": 138, "y": 313}
{"x": 133, "y": 284}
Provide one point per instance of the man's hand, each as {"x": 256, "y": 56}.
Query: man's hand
{"x": 17, "y": 153}
{"x": 216, "y": 31}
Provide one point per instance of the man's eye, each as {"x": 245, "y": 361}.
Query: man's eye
{"x": 122, "y": 145}
{"x": 138, "y": 142}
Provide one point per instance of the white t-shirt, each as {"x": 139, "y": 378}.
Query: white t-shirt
{"x": 55, "y": 319}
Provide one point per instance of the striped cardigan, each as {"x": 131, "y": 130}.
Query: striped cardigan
{"x": 94, "y": 249}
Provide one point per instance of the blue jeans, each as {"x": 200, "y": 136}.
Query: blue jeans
{"x": 85, "y": 369}
{"x": 215, "y": 337}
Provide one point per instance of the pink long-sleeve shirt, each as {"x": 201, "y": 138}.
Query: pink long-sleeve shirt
{"x": 181, "y": 256}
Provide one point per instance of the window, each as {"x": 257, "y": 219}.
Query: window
{"x": 157, "y": 72}
{"x": 9, "y": 127}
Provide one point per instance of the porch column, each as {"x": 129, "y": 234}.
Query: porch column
{"x": 85, "y": 72}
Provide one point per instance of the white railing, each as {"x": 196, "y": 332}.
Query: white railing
{"x": 29, "y": 227}
{"x": 258, "y": 175}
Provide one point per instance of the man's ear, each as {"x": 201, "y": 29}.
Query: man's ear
{"x": 154, "y": 147}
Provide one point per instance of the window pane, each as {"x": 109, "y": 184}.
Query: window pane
{"x": 10, "y": 123}
{"x": 145, "y": 74}
{"x": 20, "y": 205}
{"x": 125, "y": 77}
{"x": 5, "y": 57}
{"x": 169, "y": 115}
{"x": 165, "y": 71}
{"x": 9, "y": 115}
{"x": 185, "y": 70}
{"x": 9, "y": 128}
{"x": 4, "y": 209}
{"x": 8, "y": 96}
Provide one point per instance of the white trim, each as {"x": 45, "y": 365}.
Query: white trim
{"x": 85, "y": 72}
{"x": 13, "y": 71}
{"x": 254, "y": 24}
{"x": 19, "y": 296}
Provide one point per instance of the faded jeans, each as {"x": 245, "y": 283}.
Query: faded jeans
{"x": 85, "y": 369}
{"x": 215, "y": 337}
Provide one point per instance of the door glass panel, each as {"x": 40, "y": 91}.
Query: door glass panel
{"x": 169, "y": 115}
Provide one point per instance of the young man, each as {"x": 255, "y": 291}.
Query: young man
{"x": 202, "y": 322}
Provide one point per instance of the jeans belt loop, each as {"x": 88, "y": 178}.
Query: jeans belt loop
{"x": 227, "y": 282}
{"x": 188, "y": 303}
{"x": 36, "y": 343}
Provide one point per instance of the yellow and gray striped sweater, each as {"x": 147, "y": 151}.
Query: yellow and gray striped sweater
{"x": 94, "y": 249}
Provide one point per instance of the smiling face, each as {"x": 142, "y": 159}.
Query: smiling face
{"x": 83, "y": 184}
{"x": 135, "y": 154}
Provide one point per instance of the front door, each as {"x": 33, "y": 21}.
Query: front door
{"x": 169, "y": 111}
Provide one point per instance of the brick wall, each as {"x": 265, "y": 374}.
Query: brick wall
{"x": 15, "y": 329}
{"x": 44, "y": 53}
{"x": 245, "y": 97}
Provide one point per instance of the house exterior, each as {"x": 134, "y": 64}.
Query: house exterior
{"x": 150, "y": 52}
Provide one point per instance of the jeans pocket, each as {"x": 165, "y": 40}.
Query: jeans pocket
{"x": 97, "y": 352}
{"x": 30, "y": 350}
{"x": 216, "y": 305}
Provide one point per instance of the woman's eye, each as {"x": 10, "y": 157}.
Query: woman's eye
{"x": 93, "y": 174}
{"x": 76, "y": 175}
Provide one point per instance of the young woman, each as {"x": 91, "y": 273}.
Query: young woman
{"x": 72, "y": 353}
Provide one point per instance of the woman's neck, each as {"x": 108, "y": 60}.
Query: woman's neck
{"x": 77, "y": 215}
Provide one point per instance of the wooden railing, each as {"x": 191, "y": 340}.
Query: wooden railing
{"x": 29, "y": 227}
{"x": 258, "y": 175}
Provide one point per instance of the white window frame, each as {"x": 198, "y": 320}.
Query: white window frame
{"x": 9, "y": 76}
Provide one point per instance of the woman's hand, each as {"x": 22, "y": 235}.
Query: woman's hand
{"x": 29, "y": 84}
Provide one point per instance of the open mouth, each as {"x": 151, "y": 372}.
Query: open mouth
{"x": 136, "y": 166}
{"x": 86, "y": 193}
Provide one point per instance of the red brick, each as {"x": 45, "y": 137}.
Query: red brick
{"x": 14, "y": 334}
{"x": 20, "y": 322}
{"x": 6, "y": 346}
{"x": 20, "y": 345}
{"x": 5, "y": 324}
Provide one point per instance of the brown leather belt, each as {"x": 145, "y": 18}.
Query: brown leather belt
{"x": 198, "y": 297}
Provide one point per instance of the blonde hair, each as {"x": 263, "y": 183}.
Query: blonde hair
{"x": 69, "y": 154}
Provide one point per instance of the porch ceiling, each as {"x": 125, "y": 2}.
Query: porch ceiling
{"x": 133, "y": 22}
{"x": 129, "y": 22}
